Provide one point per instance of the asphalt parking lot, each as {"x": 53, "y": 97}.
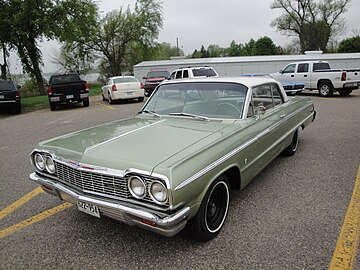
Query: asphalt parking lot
{"x": 289, "y": 217}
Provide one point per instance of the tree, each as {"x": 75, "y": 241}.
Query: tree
{"x": 74, "y": 58}
{"x": 121, "y": 31}
{"x": 28, "y": 22}
{"x": 310, "y": 21}
{"x": 215, "y": 51}
{"x": 349, "y": 45}
{"x": 264, "y": 46}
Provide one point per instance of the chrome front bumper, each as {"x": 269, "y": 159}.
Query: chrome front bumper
{"x": 167, "y": 225}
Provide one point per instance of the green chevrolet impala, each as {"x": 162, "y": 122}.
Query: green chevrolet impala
{"x": 174, "y": 164}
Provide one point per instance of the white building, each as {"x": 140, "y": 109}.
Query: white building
{"x": 235, "y": 66}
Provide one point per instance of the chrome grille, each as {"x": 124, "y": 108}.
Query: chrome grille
{"x": 99, "y": 184}
{"x": 90, "y": 182}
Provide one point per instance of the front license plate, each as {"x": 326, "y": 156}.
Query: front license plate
{"x": 88, "y": 208}
{"x": 69, "y": 96}
{"x": 2, "y": 96}
{"x": 129, "y": 93}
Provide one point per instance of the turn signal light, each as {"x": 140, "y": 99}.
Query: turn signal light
{"x": 49, "y": 90}
{"x": 114, "y": 88}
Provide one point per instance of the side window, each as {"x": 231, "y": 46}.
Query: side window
{"x": 186, "y": 74}
{"x": 290, "y": 69}
{"x": 302, "y": 68}
{"x": 178, "y": 74}
{"x": 276, "y": 94}
{"x": 262, "y": 97}
{"x": 172, "y": 75}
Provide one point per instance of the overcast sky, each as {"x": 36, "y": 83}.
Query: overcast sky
{"x": 204, "y": 22}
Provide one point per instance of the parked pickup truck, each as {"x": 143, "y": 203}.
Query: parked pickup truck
{"x": 67, "y": 88}
{"x": 318, "y": 75}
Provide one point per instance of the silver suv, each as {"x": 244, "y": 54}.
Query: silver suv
{"x": 192, "y": 72}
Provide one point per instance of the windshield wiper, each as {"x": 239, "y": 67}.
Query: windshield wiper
{"x": 150, "y": 112}
{"x": 199, "y": 117}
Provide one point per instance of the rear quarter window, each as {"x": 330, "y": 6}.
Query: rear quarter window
{"x": 321, "y": 66}
{"x": 208, "y": 72}
{"x": 67, "y": 78}
{"x": 7, "y": 85}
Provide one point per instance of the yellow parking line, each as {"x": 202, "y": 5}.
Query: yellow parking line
{"x": 347, "y": 244}
{"x": 107, "y": 106}
{"x": 11, "y": 208}
{"x": 34, "y": 219}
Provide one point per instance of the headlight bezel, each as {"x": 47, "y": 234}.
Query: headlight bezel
{"x": 47, "y": 166}
{"x": 47, "y": 159}
{"x": 36, "y": 162}
{"x": 132, "y": 192}
{"x": 153, "y": 197}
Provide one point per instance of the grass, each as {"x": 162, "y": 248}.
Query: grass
{"x": 41, "y": 102}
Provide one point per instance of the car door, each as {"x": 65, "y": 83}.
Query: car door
{"x": 268, "y": 107}
{"x": 302, "y": 74}
{"x": 288, "y": 73}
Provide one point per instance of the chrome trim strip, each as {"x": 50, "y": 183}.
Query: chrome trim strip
{"x": 122, "y": 135}
{"x": 237, "y": 150}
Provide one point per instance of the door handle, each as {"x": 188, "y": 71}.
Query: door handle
{"x": 305, "y": 75}
{"x": 282, "y": 116}
{"x": 292, "y": 76}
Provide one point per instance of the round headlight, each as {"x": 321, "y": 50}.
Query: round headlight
{"x": 39, "y": 162}
{"x": 137, "y": 187}
{"x": 158, "y": 192}
{"x": 49, "y": 164}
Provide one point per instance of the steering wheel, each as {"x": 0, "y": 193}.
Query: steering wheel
{"x": 226, "y": 108}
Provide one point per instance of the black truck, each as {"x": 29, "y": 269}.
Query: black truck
{"x": 67, "y": 88}
{"x": 10, "y": 96}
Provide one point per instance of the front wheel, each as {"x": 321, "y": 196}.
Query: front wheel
{"x": 213, "y": 210}
{"x": 325, "y": 89}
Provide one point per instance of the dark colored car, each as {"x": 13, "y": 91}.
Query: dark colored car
{"x": 67, "y": 88}
{"x": 153, "y": 79}
{"x": 10, "y": 95}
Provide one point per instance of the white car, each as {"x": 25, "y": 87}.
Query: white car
{"x": 122, "y": 87}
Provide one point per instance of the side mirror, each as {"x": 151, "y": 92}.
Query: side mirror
{"x": 281, "y": 71}
{"x": 144, "y": 78}
{"x": 18, "y": 86}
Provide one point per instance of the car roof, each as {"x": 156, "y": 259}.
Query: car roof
{"x": 117, "y": 77}
{"x": 247, "y": 81}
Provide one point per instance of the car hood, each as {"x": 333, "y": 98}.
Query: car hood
{"x": 138, "y": 143}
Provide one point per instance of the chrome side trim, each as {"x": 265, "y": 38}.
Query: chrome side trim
{"x": 237, "y": 150}
{"x": 122, "y": 135}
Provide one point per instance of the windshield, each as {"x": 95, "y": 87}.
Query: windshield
{"x": 158, "y": 74}
{"x": 198, "y": 99}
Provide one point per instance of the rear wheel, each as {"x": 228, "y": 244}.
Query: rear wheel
{"x": 291, "y": 149}
{"x": 345, "y": 92}
{"x": 17, "y": 107}
{"x": 213, "y": 210}
{"x": 86, "y": 102}
{"x": 52, "y": 106}
{"x": 325, "y": 89}
{"x": 110, "y": 99}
